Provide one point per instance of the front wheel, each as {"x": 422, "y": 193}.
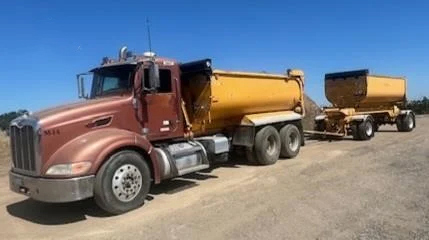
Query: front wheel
{"x": 366, "y": 129}
{"x": 122, "y": 183}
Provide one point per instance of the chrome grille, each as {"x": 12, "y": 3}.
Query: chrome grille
{"x": 24, "y": 143}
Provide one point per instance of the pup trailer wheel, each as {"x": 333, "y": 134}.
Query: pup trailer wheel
{"x": 366, "y": 129}
{"x": 406, "y": 123}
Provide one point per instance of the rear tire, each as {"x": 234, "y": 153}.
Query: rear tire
{"x": 290, "y": 137}
{"x": 267, "y": 145}
{"x": 250, "y": 155}
{"x": 122, "y": 183}
{"x": 366, "y": 129}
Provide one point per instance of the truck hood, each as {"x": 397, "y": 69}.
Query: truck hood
{"x": 79, "y": 111}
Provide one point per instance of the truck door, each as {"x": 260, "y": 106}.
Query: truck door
{"x": 160, "y": 108}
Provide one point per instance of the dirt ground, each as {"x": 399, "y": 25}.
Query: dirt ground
{"x": 377, "y": 189}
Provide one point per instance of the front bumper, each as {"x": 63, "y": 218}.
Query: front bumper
{"x": 52, "y": 190}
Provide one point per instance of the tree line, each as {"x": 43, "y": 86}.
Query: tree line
{"x": 419, "y": 106}
{"x": 6, "y": 118}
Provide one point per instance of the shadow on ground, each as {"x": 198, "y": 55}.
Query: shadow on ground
{"x": 179, "y": 184}
{"x": 55, "y": 214}
{"x": 66, "y": 213}
{"x": 326, "y": 138}
{"x": 388, "y": 131}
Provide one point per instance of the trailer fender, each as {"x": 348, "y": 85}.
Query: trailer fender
{"x": 261, "y": 119}
{"x": 244, "y": 135}
{"x": 96, "y": 146}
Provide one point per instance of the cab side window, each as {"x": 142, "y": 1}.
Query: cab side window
{"x": 165, "y": 80}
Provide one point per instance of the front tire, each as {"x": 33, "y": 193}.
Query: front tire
{"x": 366, "y": 129}
{"x": 122, "y": 183}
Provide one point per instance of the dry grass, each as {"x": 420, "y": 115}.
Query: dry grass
{"x": 4, "y": 153}
{"x": 4, "y": 148}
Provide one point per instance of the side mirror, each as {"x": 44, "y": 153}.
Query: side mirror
{"x": 81, "y": 87}
{"x": 154, "y": 80}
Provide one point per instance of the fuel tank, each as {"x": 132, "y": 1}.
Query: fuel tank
{"x": 222, "y": 99}
{"x": 359, "y": 89}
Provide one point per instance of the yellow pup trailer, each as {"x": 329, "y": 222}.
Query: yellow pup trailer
{"x": 361, "y": 102}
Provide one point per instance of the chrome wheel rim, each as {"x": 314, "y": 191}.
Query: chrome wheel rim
{"x": 293, "y": 141}
{"x": 126, "y": 182}
{"x": 410, "y": 123}
{"x": 272, "y": 145}
{"x": 369, "y": 129}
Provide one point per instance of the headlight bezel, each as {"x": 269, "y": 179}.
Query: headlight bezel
{"x": 68, "y": 169}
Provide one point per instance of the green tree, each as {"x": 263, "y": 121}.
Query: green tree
{"x": 6, "y": 118}
{"x": 419, "y": 106}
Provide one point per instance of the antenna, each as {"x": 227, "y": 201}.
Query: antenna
{"x": 148, "y": 34}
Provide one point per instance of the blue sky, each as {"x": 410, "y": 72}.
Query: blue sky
{"x": 45, "y": 43}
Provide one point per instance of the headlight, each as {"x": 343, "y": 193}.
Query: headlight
{"x": 69, "y": 169}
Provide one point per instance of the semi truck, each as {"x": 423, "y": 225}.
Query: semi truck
{"x": 361, "y": 103}
{"x": 147, "y": 119}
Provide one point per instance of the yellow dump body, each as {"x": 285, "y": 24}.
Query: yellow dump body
{"x": 358, "y": 89}
{"x": 223, "y": 99}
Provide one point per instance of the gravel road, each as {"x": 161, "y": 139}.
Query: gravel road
{"x": 345, "y": 189}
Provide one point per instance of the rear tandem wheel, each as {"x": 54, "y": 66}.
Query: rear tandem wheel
{"x": 267, "y": 145}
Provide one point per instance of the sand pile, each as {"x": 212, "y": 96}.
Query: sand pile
{"x": 311, "y": 110}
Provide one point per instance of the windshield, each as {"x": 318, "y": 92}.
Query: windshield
{"x": 112, "y": 80}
